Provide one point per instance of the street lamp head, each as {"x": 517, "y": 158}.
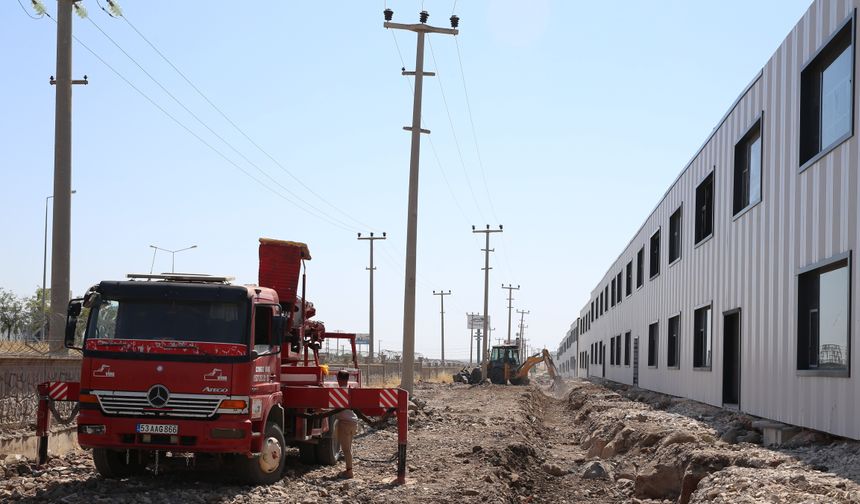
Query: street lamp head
{"x": 74, "y": 191}
{"x": 371, "y": 234}
{"x": 383, "y": 234}
{"x": 153, "y": 246}
{"x": 455, "y": 21}
{"x": 193, "y": 246}
{"x": 359, "y": 235}
{"x": 501, "y": 227}
{"x": 488, "y": 226}
{"x": 388, "y": 13}
{"x": 473, "y": 227}
{"x": 423, "y": 16}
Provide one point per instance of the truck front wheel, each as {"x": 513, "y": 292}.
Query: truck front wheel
{"x": 268, "y": 467}
{"x": 113, "y": 464}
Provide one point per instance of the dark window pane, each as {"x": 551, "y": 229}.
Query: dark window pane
{"x": 675, "y": 236}
{"x": 836, "y": 99}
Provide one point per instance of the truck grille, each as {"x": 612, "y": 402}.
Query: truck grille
{"x": 178, "y": 405}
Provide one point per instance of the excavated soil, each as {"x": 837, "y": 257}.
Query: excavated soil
{"x": 489, "y": 443}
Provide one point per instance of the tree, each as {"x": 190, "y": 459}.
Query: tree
{"x": 36, "y": 318}
{"x": 12, "y": 314}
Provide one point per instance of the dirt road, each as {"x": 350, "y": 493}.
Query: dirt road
{"x": 506, "y": 444}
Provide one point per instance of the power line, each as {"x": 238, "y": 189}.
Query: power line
{"x": 186, "y": 128}
{"x": 233, "y": 123}
{"x": 222, "y": 139}
{"x": 28, "y": 13}
{"x": 453, "y": 132}
{"x": 430, "y": 139}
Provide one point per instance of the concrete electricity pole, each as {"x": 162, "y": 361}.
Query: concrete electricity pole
{"x": 442, "y": 295}
{"x": 522, "y": 314}
{"x": 421, "y": 29}
{"x": 471, "y": 337}
{"x": 510, "y": 289}
{"x": 61, "y": 234}
{"x": 487, "y": 250}
{"x": 371, "y": 239}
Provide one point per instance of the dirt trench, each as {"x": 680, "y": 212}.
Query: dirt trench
{"x": 490, "y": 443}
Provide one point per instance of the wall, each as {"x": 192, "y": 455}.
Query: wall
{"x": 752, "y": 261}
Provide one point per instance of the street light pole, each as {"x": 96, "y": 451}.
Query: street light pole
{"x": 172, "y": 257}
{"x": 371, "y": 239}
{"x": 421, "y": 30}
{"x": 45, "y": 269}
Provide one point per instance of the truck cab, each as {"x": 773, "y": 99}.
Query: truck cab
{"x": 178, "y": 363}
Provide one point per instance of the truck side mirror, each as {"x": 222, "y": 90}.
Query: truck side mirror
{"x": 72, "y": 314}
{"x": 279, "y": 324}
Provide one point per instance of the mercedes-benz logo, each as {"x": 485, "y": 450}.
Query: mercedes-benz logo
{"x": 158, "y": 396}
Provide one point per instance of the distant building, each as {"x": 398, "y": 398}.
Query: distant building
{"x": 737, "y": 289}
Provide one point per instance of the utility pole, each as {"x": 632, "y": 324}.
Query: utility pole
{"x": 61, "y": 234}
{"x": 471, "y": 337}
{"x": 510, "y": 289}
{"x": 442, "y": 295}
{"x": 487, "y": 250}
{"x": 478, "y": 340}
{"x": 371, "y": 239}
{"x": 522, "y": 314}
{"x": 421, "y": 29}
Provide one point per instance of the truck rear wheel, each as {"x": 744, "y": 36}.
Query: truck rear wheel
{"x": 327, "y": 449}
{"x": 497, "y": 375}
{"x": 268, "y": 467}
{"x": 111, "y": 464}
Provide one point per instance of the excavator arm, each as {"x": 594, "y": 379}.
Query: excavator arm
{"x": 522, "y": 374}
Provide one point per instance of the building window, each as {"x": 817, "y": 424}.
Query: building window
{"x": 747, "y": 182}
{"x": 654, "y": 259}
{"x": 618, "y": 350}
{"x": 618, "y": 283}
{"x": 612, "y": 298}
{"x": 675, "y": 236}
{"x": 640, "y": 267}
{"x": 705, "y": 208}
{"x": 606, "y": 297}
{"x": 827, "y": 96}
{"x": 627, "y": 348}
{"x": 612, "y": 351}
{"x": 653, "y": 338}
{"x": 673, "y": 342}
{"x": 702, "y": 338}
{"x": 628, "y": 283}
{"x": 823, "y": 314}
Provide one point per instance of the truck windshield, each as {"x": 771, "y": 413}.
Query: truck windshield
{"x": 197, "y": 321}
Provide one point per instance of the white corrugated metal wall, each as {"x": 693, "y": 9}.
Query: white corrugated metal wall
{"x": 753, "y": 260}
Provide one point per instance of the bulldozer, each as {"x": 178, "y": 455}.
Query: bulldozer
{"x": 505, "y": 366}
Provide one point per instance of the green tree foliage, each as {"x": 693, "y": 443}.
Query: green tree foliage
{"x": 22, "y": 315}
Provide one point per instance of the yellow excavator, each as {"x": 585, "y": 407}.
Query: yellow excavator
{"x": 505, "y": 366}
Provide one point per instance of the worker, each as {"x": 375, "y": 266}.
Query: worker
{"x": 347, "y": 423}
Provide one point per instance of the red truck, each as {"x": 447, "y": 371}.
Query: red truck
{"x": 192, "y": 365}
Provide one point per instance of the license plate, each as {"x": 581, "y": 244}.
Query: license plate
{"x": 145, "y": 428}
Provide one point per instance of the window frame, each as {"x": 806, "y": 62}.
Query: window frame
{"x": 618, "y": 281}
{"x": 677, "y": 364}
{"x": 640, "y": 268}
{"x": 743, "y": 144}
{"x": 628, "y": 342}
{"x": 816, "y": 63}
{"x": 628, "y": 278}
{"x": 823, "y": 264}
{"x": 651, "y": 274}
{"x": 696, "y": 309}
{"x": 704, "y": 238}
{"x": 656, "y": 364}
{"x": 680, "y": 213}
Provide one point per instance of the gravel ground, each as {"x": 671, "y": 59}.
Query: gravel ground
{"x": 492, "y": 443}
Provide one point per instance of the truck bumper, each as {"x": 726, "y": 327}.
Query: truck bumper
{"x": 226, "y": 434}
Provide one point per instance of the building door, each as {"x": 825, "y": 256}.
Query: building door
{"x": 636, "y": 361}
{"x": 732, "y": 358}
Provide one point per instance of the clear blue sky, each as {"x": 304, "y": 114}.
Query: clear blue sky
{"x": 584, "y": 112}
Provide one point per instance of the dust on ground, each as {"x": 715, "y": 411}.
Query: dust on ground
{"x": 489, "y": 443}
